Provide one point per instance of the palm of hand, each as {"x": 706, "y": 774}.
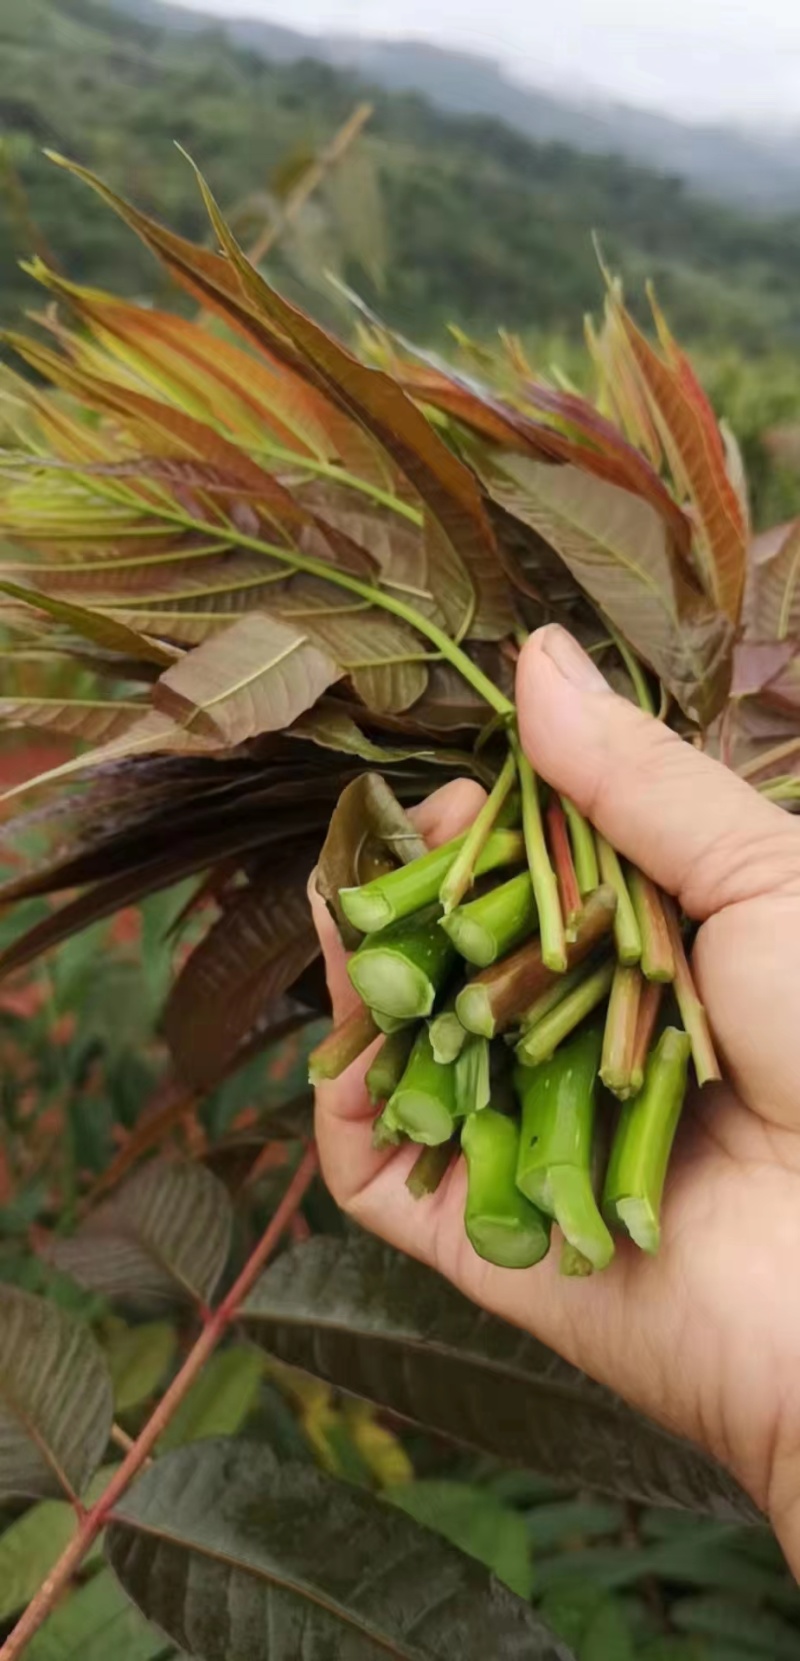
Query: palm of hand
{"x": 705, "y": 1337}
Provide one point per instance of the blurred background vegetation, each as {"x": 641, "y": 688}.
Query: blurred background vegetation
{"x": 437, "y": 219}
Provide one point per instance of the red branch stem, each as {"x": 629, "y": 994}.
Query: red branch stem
{"x": 213, "y": 1331}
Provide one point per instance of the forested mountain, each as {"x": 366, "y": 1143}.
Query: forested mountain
{"x": 482, "y": 226}
{"x": 760, "y": 171}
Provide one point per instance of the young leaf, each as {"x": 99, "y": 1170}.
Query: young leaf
{"x": 254, "y": 952}
{"x": 220, "y": 1401}
{"x": 99, "y": 627}
{"x": 91, "y": 719}
{"x": 255, "y": 677}
{"x": 772, "y": 603}
{"x": 368, "y": 831}
{"x": 475, "y": 1521}
{"x": 333, "y": 729}
{"x": 233, "y": 1554}
{"x": 372, "y": 1321}
{"x": 619, "y": 550}
{"x": 162, "y": 1240}
{"x": 56, "y": 1403}
{"x": 696, "y": 454}
{"x": 95, "y": 1623}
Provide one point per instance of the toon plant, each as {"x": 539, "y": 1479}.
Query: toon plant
{"x": 298, "y": 577}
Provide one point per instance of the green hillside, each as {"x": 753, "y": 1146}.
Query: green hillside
{"x": 483, "y": 226}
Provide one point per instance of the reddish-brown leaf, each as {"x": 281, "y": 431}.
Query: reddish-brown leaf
{"x": 255, "y": 677}
{"x": 253, "y": 953}
{"x": 692, "y": 440}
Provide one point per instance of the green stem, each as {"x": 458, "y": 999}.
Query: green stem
{"x": 459, "y": 877}
{"x": 692, "y": 1010}
{"x": 424, "y": 1104}
{"x": 554, "y": 1167}
{"x": 447, "y": 1036}
{"x": 412, "y": 887}
{"x": 558, "y": 1110}
{"x": 658, "y": 959}
{"x": 389, "y": 1024}
{"x": 633, "y": 667}
{"x": 331, "y": 470}
{"x": 626, "y": 928}
{"x": 572, "y": 1263}
{"x": 502, "y": 1226}
{"x": 554, "y": 994}
{"x": 492, "y": 925}
{"x": 294, "y": 561}
{"x": 389, "y": 1065}
{"x": 496, "y": 998}
{"x": 643, "y": 1142}
{"x": 584, "y": 852}
{"x": 399, "y": 970}
{"x": 341, "y": 1047}
{"x": 429, "y": 1170}
{"x": 473, "y": 1082}
{"x": 543, "y": 877}
{"x": 619, "y": 1037}
{"x": 540, "y": 1042}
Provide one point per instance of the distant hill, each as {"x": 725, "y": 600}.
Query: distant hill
{"x": 483, "y": 226}
{"x": 761, "y": 174}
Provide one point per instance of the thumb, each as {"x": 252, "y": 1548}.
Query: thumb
{"x": 692, "y": 825}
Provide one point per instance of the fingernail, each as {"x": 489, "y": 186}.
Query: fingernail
{"x": 571, "y": 660}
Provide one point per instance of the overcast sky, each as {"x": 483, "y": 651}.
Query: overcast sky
{"x": 699, "y": 59}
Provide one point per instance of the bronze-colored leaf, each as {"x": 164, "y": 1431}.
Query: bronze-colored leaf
{"x": 102, "y": 629}
{"x": 85, "y": 718}
{"x": 160, "y": 1241}
{"x": 772, "y": 602}
{"x": 56, "y": 1401}
{"x": 369, "y": 832}
{"x": 694, "y": 447}
{"x": 374, "y": 1322}
{"x": 619, "y": 550}
{"x": 252, "y": 954}
{"x": 257, "y": 676}
{"x": 235, "y": 1555}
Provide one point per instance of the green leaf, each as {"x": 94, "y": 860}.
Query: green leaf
{"x": 608, "y": 1634}
{"x": 28, "y": 1549}
{"x": 254, "y": 677}
{"x": 619, "y": 550}
{"x": 333, "y": 729}
{"x": 138, "y": 1358}
{"x": 373, "y": 1322}
{"x": 162, "y": 1240}
{"x": 228, "y": 989}
{"x": 472, "y": 1519}
{"x": 569, "y": 1520}
{"x": 235, "y": 1555}
{"x": 31, "y": 1545}
{"x": 369, "y": 832}
{"x": 56, "y": 1403}
{"x": 756, "y": 1631}
{"x": 98, "y": 1623}
{"x": 220, "y": 1400}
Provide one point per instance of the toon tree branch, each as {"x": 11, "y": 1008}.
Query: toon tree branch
{"x": 217, "y": 1324}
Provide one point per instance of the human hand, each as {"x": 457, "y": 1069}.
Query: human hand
{"x": 705, "y": 1337}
